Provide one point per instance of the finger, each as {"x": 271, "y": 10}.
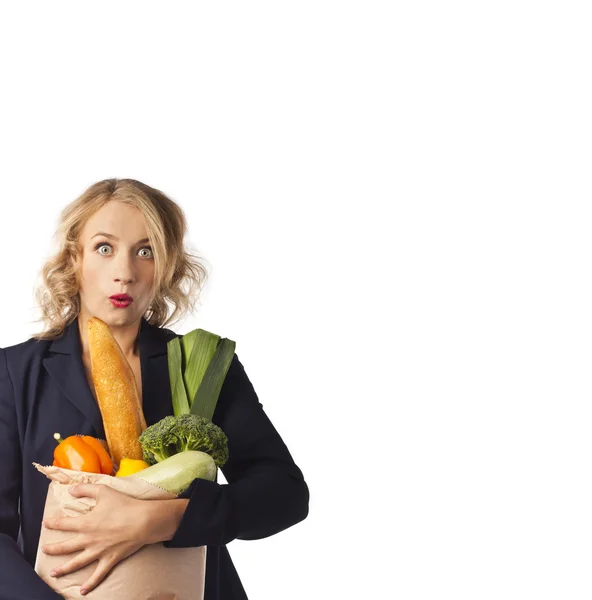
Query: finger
{"x": 88, "y": 490}
{"x": 80, "y": 561}
{"x": 63, "y": 523}
{"x": 65, "y": 547}
{"x": 100, "y": 573}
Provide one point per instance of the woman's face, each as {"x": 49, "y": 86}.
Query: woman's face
{"x": 116, "y": 259}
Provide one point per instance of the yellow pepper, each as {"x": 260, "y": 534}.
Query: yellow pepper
{"x": 128, "y": 466}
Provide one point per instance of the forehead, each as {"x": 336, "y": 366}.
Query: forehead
{"x": 121, "y": 220}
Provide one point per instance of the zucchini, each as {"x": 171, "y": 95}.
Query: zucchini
{"x": 175, "y": 474}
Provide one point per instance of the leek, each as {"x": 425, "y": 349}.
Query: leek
{"x": 178, "y": 392}
{"x": 198, "y": 347}
{"x": 207, "y": 394}
{"x": 198, "y": 364}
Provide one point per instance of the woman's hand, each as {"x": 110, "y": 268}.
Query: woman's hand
{"x": 114, "y": 529}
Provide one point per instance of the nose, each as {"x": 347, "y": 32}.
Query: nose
{"x": 126, "y": 280}
{"x": 123, "y": 269}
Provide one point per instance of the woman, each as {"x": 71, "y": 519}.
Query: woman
{"x": 124, "y": 237}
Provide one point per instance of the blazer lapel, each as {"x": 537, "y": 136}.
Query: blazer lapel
{"x": 64, "y": 365}
{"x": 157, "y": 400}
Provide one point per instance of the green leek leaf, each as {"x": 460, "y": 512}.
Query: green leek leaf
{"x": 178, "y": 392}
{"x": 208, "y": 392}
{"x": 199, "y": 346}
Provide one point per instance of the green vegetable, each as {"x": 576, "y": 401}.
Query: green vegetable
{"x": 176, "y": 473}
{"x": 199, "y": 347}
{"x": 207, "y": 394}
{"x": 178, "y": 393}
{"x": 183, "y": 433}
{"x": 198, "y": 365}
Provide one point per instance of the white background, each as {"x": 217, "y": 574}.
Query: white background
{"x": 394, "y": 203}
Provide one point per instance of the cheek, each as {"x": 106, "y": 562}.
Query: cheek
{"x": 148, "y": 272}
{"x": 89, "y": 272}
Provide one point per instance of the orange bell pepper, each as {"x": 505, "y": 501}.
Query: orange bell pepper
{"x": 82, "y": 453}
{"x": 104, "y": 458}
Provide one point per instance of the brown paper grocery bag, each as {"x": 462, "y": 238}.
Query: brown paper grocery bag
{"x": 153, "y": 573}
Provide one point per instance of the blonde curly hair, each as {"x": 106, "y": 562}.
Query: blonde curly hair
{"x": 179, "y": 275}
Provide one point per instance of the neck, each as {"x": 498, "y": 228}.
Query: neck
{"x": 126, "y": 336}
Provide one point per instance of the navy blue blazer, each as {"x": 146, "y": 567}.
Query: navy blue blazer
{"x": 43, "y": 390}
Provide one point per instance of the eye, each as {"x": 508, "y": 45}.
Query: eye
{"x": 102, "y": 245}
{"x": 149, "y": 249}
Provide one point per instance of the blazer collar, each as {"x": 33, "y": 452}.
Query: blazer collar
{"x": 64, "y": 365}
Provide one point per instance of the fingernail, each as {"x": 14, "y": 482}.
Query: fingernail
{"x": 82, "y": 592}
{"x": 54, "y": 573}
{"x": 43, "y": 550}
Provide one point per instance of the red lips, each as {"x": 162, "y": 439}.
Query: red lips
{"x": 121, "y": 297}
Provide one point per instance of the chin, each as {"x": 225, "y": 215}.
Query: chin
{"x": 119, "y": 316}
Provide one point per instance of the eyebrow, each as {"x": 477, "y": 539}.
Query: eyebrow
{"x": 108, "y": 235}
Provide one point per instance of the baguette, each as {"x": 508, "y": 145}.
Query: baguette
{"x": 117, "y": 393}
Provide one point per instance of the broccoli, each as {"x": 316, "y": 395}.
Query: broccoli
{"x": 172, "y": 435}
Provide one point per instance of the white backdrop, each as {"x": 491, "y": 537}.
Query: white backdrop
{"x": 394, "y": 203}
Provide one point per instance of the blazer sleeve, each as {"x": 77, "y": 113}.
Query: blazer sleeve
{"x": 18, "y": 579}
{"x": 266, "y": 492}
